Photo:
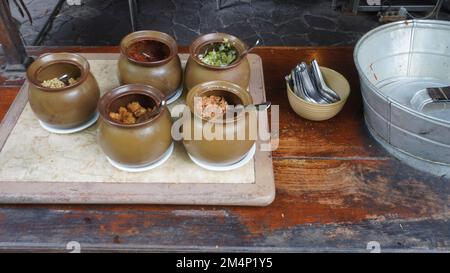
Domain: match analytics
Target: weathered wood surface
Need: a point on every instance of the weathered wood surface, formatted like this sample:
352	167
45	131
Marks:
337	190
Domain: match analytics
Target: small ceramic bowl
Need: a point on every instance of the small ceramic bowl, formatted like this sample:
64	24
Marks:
319	112
69	106
138	144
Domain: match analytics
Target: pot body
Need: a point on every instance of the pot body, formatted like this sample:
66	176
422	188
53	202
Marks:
65	107
165	75
219	149
139	145
219	152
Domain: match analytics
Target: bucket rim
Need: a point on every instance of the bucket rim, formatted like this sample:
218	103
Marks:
413	23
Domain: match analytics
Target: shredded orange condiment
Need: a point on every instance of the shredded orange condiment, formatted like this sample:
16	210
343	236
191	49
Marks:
211	107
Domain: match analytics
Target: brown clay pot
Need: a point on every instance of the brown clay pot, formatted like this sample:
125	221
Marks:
197	71
163	71
139	143
219	151
66	107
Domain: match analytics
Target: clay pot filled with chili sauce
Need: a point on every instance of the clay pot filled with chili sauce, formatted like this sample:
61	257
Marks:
218	151
217	56
150	58
62	91
134	125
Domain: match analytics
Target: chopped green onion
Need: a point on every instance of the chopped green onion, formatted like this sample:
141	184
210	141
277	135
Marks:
221	55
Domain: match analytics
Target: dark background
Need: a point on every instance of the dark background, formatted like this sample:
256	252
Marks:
276	22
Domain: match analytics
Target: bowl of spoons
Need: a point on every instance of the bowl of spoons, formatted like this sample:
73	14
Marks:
316	93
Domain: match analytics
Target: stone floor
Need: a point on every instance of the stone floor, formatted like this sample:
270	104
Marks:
276	22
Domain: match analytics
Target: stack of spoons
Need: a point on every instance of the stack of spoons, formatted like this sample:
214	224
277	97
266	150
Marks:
308	84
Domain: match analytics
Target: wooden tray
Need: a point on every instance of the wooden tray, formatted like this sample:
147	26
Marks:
39	167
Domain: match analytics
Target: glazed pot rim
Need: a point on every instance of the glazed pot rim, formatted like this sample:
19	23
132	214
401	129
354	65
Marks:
82	65
149	35
201	88
131	89
216	37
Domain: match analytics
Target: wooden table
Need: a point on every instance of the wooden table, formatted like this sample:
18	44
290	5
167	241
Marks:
337	190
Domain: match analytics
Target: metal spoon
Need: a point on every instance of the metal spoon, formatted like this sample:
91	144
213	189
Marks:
308	85
251	48
298	85
147	55
322	86
237	109
295	87
245	52
293	81
327	93
65	79
318	89
262	106
149	114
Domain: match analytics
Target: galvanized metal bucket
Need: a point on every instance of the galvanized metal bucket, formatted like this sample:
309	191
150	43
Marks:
396	62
